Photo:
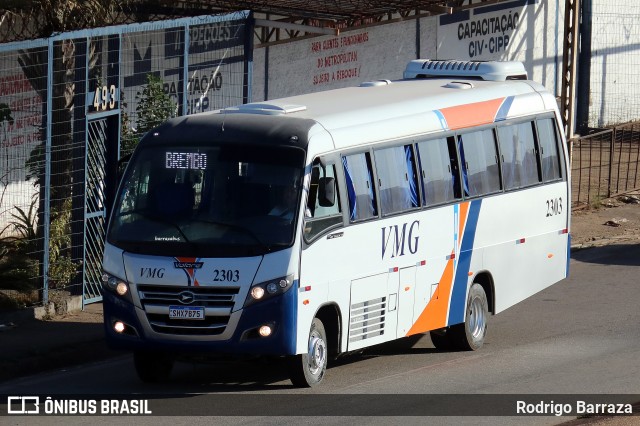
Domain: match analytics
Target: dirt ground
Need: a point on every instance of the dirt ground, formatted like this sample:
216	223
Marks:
615	220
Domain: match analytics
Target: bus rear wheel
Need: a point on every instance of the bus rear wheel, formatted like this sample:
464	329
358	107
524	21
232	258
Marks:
469	336
441	339
152	367
307	370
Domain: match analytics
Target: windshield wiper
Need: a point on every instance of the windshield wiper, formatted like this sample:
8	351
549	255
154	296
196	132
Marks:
159	220
243	230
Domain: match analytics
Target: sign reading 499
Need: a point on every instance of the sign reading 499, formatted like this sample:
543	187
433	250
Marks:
105	98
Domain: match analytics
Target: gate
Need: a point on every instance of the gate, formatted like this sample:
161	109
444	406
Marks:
95	208
70	107
605	164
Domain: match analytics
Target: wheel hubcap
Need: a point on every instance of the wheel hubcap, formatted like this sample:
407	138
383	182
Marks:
477	319
317	354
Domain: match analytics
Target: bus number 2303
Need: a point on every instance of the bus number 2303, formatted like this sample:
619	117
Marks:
554	207
229	275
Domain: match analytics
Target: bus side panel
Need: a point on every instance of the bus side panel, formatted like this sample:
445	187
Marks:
402	259
373	310
525	246
330	265
448	298
468	259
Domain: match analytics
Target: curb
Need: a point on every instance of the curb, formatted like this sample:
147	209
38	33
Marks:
73	304
605	242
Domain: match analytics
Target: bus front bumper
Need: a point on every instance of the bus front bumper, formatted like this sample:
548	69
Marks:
127	327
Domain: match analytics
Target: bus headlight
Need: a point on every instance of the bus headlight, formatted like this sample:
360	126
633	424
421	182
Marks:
257	293
116	285
268	289
121	289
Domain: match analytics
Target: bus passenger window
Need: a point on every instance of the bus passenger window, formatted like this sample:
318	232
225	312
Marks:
548	141
438	169
480	173
359	182
518	154
396	179
318	217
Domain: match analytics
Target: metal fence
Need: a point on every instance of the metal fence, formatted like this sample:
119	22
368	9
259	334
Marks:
70	106
608	93
605	164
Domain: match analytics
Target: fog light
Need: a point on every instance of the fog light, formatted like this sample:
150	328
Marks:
121	288
112	282
257	293
265	331
118	326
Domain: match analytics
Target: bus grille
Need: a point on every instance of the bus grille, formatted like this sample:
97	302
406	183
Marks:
367	319
217	302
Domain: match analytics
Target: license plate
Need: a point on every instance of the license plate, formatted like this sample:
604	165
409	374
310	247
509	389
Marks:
186	312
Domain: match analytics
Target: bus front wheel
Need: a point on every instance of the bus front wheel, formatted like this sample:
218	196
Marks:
469	336
308	369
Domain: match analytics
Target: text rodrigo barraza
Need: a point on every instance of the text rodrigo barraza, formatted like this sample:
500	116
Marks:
565	409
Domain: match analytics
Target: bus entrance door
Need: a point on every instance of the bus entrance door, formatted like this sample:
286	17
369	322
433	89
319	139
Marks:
406	296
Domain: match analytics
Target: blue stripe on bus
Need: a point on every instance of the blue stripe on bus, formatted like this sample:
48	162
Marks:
504	108
459	292
443	121
290	318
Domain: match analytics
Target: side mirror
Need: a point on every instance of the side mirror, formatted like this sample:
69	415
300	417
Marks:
326	191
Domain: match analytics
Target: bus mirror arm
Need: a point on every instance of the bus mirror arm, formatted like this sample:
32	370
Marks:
326	191
320	161
122	165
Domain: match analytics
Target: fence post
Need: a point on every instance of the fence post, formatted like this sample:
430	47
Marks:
78	165
47	177
611	157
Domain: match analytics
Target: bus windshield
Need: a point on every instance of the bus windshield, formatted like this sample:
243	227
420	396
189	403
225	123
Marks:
208	201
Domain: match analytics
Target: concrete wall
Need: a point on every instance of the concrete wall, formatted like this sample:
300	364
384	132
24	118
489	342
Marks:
613	96
522	30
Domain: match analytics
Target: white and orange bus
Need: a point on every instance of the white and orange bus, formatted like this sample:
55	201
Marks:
314	225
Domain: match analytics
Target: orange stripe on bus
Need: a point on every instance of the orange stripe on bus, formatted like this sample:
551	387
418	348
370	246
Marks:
434	315
464	210
474	114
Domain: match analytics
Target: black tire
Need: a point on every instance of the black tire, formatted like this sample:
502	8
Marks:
469	336
152	367
307	370
441	339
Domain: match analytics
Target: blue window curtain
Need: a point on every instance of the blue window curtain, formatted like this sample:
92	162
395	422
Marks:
362	203
411	176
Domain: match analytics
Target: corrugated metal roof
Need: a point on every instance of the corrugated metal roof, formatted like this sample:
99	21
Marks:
25	19
339	11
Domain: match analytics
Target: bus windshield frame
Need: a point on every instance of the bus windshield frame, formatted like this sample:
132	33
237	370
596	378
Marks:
208	200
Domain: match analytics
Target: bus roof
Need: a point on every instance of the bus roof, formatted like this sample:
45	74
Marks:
375	111
420	105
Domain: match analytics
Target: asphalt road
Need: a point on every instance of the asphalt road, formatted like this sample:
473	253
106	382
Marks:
580	336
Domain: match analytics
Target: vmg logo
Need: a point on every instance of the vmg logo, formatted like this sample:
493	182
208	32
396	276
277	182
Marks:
396	239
